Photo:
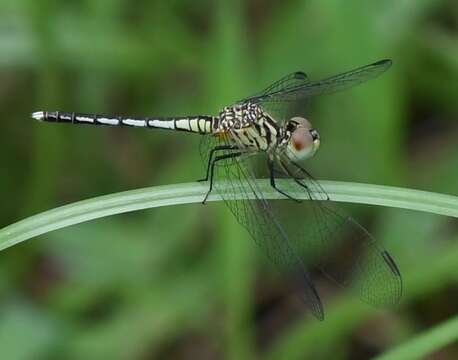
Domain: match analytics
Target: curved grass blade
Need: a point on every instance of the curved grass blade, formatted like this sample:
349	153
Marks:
188	193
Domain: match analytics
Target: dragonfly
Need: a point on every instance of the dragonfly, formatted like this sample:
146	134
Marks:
269	133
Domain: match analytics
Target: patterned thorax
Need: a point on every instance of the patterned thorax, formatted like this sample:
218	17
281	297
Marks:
238	116
248	126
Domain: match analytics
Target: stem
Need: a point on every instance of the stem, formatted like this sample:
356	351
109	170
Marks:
194	192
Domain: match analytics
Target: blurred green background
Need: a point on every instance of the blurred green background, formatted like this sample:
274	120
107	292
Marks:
187	282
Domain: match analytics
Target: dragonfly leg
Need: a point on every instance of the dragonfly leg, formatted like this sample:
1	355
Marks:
212	170
311	177
210	157
270	165
299	180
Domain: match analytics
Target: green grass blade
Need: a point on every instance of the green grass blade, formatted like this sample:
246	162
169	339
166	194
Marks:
422	345
194	192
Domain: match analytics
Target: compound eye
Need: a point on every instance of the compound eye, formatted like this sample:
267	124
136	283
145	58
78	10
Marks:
302	122
301	139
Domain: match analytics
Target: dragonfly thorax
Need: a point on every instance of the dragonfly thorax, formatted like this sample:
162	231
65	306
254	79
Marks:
238	116
248	127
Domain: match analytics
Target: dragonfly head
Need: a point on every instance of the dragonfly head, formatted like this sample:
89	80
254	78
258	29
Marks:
303	140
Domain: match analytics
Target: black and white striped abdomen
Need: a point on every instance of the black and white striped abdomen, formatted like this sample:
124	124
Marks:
198	124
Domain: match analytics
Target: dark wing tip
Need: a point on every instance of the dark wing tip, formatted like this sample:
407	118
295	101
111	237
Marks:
300	75
396	273
310	297
391	264
385	62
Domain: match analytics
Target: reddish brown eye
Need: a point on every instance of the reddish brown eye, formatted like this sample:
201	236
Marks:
298	145
301	139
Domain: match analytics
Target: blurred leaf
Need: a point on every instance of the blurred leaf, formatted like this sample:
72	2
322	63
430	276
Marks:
148	320
25	332
424	344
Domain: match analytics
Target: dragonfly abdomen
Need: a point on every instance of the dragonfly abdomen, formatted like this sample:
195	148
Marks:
198	124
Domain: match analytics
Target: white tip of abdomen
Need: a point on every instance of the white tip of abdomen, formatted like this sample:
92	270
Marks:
38	115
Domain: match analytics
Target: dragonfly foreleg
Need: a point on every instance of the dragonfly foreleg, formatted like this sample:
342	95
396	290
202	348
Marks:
299	182
212	169
210	157
270	165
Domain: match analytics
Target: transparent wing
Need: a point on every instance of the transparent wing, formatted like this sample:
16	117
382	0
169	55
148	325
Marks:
312	234
329	85
276	109
284	102
288	82
255	214
340	247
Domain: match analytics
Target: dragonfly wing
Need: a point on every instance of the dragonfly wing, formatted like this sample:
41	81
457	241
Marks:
341	248
286	83
285	102
330	85
254	213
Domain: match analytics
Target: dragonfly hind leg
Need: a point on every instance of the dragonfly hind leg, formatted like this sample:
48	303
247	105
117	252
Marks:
211	168
210	158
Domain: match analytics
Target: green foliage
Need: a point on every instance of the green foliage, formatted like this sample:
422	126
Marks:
186	281
423	344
